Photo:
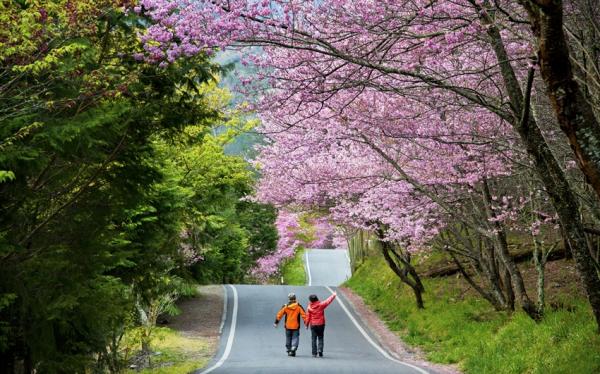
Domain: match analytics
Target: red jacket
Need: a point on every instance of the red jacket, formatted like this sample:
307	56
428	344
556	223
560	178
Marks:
315	314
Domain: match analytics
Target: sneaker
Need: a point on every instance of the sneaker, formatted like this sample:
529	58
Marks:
293	353
289	353
320	354
314	355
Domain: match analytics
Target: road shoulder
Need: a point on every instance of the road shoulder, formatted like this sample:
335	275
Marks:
200	319
390	341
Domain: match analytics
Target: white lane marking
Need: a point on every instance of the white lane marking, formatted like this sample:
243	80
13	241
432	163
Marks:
370	340
231	334
224	316
308	268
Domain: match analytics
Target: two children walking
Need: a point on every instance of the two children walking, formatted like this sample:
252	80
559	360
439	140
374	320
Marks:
313	318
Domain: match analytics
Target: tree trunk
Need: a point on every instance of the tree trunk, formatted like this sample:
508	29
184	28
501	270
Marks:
417	287
494	298
540	267
573	112
418	297
402	271
510	295
501	288
501	245
576	119
483	262
548	170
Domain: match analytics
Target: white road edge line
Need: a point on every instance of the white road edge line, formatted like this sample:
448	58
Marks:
308	268
370	340
231	334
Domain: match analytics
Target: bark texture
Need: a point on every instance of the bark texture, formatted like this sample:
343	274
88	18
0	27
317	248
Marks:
573	112
577	120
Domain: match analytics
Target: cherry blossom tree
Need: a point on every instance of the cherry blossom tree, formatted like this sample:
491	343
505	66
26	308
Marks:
397	50
287	228
472	57
398	178
295	230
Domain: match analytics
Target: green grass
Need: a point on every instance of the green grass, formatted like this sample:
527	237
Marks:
465	330
293	271
178	354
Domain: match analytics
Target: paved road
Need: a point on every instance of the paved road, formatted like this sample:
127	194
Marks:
326	267
250	343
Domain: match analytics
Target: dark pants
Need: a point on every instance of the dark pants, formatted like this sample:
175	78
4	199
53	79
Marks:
317	334
292	337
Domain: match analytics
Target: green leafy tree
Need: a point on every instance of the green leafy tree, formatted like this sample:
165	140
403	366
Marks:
258	220
89	221
220	225
114	186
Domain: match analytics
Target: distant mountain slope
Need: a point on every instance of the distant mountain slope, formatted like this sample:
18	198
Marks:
244	144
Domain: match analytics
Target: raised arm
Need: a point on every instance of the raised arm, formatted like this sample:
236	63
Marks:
328	300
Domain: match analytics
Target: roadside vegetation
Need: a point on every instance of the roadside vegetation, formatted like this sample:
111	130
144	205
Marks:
296	231
294	271
458	327
173	353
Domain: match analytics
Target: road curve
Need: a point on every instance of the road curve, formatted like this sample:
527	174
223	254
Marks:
250	344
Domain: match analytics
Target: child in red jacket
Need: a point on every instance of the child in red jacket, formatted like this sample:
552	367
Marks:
315	318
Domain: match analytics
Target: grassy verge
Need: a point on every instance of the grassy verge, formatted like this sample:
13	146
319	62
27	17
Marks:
457	327
293	271
176	354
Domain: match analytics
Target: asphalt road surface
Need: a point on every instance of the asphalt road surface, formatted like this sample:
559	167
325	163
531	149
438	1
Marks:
250	344
327	267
